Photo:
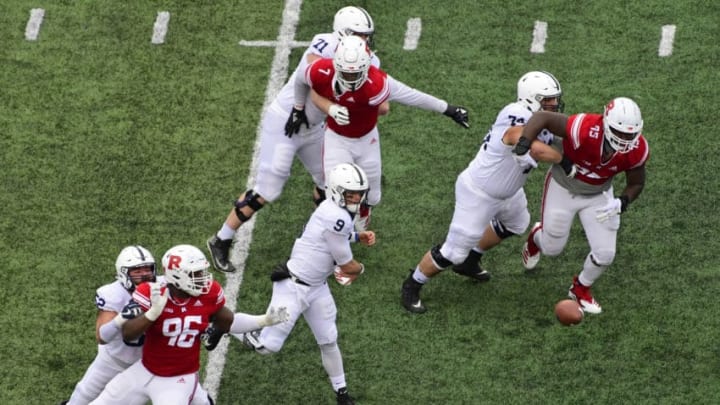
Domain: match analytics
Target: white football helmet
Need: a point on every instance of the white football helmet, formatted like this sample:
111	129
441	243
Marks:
186	268
534	87
352	62
623	123
130	258
346	177
353	20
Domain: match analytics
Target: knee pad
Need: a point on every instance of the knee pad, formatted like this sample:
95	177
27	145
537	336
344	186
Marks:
440	261
250	200
500	229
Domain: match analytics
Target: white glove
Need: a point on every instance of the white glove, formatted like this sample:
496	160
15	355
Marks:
345	279
340	114
157	301
273	316
612	207
525	161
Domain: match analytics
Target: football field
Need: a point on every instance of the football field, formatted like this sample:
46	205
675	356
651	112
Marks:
136	122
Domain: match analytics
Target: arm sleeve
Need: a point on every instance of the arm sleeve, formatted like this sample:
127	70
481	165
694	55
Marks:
406	95
245	323
302	83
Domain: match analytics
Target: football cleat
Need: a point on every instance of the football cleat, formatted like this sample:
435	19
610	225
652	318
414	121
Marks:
220	254
531	251
411	295
343	397
251	339
583	296
471	267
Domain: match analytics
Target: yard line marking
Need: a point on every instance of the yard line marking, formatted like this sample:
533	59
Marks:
273	44
667	37
160	28
241	247
32	29
539	37
412	35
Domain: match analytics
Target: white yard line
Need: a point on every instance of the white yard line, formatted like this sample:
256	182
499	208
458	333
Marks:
241	247
667	37
160	28
412	34
273	44
32	29
539	37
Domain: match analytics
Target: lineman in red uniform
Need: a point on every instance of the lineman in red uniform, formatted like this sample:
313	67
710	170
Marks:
174	319
353	93
601	146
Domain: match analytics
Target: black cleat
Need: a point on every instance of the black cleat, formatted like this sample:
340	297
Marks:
471	267
343	397
411	295
220	254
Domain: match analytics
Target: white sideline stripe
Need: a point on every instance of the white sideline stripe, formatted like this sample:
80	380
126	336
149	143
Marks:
241	247
273	44
32	29
539	37
412	35
160	27
667	37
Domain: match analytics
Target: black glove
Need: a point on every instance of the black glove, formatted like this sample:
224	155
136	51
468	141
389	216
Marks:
211	337
458	114
522	146
568	166
132	310
295	121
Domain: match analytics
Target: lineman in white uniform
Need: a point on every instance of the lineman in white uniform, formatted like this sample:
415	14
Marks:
301	285
134	266
277	151
490	203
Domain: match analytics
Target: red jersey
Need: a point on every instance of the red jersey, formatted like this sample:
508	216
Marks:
362	104
584	146
172	343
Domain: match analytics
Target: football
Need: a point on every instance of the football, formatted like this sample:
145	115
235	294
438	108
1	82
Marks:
568	312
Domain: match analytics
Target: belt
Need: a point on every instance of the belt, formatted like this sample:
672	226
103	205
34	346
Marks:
297	280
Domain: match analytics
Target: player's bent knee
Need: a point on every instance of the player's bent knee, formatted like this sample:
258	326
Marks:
502	231
603	258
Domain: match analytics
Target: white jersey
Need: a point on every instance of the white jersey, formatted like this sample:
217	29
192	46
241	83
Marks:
494	170
323	244
322	45
114	297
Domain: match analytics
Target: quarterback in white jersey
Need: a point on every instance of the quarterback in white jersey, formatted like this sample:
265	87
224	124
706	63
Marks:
134	266
277	151
301	284
490	203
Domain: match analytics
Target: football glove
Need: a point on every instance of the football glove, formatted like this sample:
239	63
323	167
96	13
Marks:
345	279
275	315
211	338
613	207
294	122
458	114
340	114
131	310
568	167
157	301
522	147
